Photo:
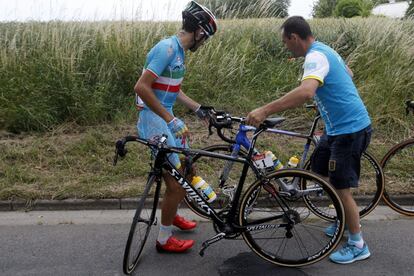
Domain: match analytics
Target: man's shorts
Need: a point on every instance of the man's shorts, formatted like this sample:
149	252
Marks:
339	157
150	125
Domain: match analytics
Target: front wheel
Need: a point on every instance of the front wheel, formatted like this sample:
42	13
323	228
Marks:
143	219
398	167
280	228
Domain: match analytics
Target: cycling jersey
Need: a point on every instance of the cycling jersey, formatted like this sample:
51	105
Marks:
337	97
166	62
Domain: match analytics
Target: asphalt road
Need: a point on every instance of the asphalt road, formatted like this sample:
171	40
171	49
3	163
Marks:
92	243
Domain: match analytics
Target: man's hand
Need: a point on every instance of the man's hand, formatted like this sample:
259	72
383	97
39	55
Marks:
256	117
178	128
202	112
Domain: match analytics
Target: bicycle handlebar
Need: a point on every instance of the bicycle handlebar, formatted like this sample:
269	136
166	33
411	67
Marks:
121	151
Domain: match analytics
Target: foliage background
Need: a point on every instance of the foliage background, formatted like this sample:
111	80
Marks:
53	73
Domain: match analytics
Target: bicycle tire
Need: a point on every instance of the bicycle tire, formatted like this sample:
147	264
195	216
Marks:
210	170
369	191
307	243
398	167
141	225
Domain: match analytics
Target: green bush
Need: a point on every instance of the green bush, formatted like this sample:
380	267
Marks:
348	8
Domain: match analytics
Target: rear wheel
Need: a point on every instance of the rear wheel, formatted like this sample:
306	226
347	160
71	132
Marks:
368	193
143	219
280	228
398	167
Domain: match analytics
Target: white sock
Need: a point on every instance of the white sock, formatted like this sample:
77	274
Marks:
164	234
356	239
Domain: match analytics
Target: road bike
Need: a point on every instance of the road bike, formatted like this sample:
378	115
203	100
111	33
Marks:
277	225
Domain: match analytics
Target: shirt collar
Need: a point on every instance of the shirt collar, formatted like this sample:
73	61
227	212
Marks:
178	41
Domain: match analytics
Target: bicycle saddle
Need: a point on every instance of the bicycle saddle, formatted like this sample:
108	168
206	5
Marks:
271	122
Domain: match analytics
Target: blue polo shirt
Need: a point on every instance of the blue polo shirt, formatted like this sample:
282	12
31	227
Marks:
337	97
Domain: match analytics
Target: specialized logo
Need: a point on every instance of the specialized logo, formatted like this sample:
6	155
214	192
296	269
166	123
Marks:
190	191
327	247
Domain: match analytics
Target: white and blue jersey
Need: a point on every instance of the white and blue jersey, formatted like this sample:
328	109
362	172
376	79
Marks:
337	97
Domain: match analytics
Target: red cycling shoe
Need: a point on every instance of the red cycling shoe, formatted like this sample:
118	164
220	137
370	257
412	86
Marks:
175	245
183	224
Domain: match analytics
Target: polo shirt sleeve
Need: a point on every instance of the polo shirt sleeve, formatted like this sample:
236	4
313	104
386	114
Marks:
316	67
159	58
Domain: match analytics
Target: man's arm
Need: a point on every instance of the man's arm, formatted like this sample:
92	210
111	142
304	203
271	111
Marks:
350	71
143	88
187	101
294	98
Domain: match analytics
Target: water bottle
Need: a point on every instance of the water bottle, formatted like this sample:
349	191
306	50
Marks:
277	164
205	189
293	162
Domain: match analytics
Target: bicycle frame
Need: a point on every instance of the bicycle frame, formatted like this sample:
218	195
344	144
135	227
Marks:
309	137
161	161
241	140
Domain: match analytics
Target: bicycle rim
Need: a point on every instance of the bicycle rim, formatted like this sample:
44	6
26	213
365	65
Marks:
267	214
367	195
398	167
143	219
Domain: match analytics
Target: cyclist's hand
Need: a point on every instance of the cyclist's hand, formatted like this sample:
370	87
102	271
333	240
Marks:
178	128
256	117
202	112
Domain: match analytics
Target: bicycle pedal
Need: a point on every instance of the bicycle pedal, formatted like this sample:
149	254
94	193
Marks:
155	221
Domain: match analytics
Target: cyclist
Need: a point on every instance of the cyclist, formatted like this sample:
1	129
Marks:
159	88
328	80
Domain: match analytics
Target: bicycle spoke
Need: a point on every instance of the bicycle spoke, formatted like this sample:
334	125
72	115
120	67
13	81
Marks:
300	237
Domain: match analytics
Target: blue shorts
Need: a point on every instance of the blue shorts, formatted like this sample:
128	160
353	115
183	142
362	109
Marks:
339	157
150	125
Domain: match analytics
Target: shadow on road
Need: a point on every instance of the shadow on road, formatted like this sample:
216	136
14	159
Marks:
248	263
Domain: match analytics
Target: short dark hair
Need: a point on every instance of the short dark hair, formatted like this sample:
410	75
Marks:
296	25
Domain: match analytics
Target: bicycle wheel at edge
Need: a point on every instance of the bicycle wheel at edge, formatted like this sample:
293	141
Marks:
266	222
398	167
143	219
210	170
369	191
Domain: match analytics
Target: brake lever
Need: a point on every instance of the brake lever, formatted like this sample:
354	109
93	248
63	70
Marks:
210	131
115	158
407	107
120	150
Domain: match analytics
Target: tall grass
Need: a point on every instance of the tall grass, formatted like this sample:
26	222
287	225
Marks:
55	72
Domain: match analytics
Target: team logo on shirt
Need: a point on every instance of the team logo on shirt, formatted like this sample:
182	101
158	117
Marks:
310	65
170	51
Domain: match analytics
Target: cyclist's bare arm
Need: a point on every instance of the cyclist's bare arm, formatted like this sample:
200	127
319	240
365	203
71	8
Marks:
294	98
143	88
187	101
